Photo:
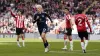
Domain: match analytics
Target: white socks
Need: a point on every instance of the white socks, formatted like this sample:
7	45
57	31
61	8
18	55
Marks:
65	43
23	43
18	43
86	43
71	44
83	45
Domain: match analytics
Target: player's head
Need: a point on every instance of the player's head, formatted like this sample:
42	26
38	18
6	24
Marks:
20	12
66	10
39	8
79	11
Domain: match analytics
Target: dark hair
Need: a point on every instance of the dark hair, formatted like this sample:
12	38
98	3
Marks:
19	10
80	10
67	9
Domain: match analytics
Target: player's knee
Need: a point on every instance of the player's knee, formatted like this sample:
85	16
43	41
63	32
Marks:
65	37
43	37
18	36
82	40
70	39
22	38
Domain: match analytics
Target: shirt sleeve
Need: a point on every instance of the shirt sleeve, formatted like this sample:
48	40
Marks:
49	17
13	15
69	17
88	23
34	19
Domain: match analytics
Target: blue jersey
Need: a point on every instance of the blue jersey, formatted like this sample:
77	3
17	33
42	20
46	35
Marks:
40	18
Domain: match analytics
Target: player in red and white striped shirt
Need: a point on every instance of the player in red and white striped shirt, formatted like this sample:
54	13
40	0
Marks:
68	30
19	18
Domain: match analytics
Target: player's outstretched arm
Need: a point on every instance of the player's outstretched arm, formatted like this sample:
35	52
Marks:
11	12
88	24
49	18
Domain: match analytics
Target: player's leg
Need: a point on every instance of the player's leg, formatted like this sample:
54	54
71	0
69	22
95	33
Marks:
18	43
65	42
71	43
46	45
43	36
23	38
83	45
70	38
82	41
18	36
86	39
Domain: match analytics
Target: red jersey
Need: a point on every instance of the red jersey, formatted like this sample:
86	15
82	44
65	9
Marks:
80	21
19	20
68	18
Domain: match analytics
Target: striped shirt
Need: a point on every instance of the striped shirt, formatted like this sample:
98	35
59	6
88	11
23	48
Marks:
68	18
19	20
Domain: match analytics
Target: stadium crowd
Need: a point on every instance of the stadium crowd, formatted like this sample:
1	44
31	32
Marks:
53	7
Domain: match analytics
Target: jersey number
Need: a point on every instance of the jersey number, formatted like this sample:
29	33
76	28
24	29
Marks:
79	22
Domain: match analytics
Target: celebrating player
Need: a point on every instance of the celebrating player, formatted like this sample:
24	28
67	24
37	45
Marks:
68	30
40	18
19	18
80	21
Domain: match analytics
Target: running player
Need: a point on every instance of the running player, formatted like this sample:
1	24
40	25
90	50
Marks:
68	30
40	18
80	21
19	18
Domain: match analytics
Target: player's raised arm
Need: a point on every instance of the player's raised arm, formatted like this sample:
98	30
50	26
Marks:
9	9
88	24
12	14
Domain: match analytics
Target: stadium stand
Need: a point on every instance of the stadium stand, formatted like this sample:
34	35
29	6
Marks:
52	7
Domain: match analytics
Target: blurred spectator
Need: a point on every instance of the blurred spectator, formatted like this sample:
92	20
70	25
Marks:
53	7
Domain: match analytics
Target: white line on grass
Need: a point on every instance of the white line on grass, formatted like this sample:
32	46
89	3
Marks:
88	50
77	52
6	43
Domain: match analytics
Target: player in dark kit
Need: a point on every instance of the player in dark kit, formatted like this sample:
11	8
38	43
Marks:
68	30
40	18
80	21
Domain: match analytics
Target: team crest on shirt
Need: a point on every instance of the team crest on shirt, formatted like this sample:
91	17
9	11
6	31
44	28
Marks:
42	15
37	17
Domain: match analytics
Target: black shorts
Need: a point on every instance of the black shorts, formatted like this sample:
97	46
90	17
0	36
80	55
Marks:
83	34
43	30
19	31
68	31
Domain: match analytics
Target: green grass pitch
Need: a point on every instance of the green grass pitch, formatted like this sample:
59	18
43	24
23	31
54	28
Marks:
34	47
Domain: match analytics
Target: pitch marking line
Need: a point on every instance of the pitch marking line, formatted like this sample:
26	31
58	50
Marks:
6	43
76	52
